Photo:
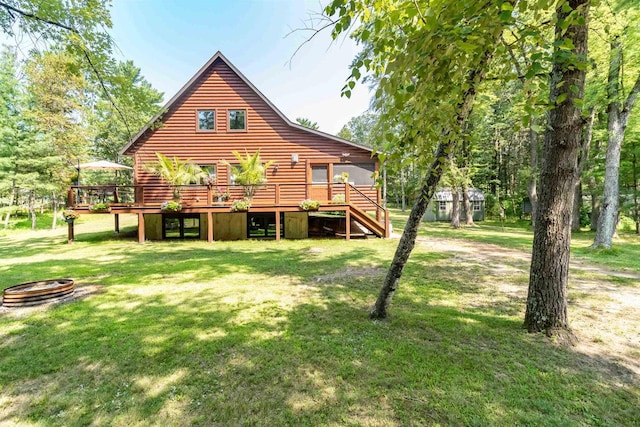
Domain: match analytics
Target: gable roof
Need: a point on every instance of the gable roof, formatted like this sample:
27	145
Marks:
194	79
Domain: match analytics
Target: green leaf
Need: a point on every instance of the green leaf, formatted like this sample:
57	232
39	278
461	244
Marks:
561	98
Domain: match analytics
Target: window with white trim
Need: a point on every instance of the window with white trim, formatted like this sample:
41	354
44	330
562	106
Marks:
442	206
476	205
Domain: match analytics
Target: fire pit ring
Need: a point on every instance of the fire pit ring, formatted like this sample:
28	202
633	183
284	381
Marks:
35	293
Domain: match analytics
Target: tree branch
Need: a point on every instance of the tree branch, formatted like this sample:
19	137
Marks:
10	9
424	21
631	99
315	31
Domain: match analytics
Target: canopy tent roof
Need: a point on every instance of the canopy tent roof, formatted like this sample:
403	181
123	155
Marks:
103	165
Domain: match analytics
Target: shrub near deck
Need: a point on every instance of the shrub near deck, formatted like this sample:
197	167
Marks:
276	333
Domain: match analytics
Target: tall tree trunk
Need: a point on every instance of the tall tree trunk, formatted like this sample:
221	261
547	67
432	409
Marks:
12	199
402	190
617	119
54	220
32	210
582	161
468	213
455	212
466	159
532	191
577	206
595	204
547	296
443	155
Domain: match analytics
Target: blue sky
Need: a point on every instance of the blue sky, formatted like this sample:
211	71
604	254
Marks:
170	40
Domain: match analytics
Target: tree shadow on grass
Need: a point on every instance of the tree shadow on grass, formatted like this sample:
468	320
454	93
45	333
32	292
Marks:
260	363
254	333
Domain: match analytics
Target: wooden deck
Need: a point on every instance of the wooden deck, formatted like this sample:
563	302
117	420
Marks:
198	199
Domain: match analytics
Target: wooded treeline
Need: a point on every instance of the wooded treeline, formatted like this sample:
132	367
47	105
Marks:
501	148
63	100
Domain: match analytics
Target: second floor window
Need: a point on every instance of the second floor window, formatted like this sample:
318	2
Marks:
237	119
206	120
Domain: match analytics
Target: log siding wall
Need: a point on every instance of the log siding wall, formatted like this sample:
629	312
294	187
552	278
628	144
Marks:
219	88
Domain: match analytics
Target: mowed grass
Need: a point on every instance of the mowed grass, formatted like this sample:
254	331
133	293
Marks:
518	235
266	333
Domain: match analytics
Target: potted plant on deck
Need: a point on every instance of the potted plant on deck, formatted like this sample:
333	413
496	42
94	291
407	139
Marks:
175	172
309	205
240	205
100	208
172	206
250	173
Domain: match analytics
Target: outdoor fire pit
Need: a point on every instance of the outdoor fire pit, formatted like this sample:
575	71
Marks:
35	293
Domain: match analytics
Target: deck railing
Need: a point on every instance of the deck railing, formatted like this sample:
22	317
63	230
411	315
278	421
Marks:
202	195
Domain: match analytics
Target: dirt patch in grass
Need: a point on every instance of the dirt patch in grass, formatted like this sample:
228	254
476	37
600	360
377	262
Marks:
604	305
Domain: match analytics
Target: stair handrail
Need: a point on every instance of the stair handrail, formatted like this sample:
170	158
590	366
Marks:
367	197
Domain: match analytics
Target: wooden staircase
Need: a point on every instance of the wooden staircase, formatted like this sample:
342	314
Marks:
367	221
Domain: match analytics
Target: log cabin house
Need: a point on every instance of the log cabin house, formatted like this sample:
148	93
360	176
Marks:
219	111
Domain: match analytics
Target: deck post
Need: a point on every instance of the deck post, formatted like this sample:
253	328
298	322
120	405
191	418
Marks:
347	226
347	193
278	225
277	194
116	218
209	195
70	232
140	227
209	226
378	215
387	231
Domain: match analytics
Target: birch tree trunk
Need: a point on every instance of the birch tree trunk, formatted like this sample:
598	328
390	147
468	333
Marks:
12	198
54	220
617	119
32	210
547	296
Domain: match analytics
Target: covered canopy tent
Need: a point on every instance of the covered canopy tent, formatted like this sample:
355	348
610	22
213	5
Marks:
101	165
100	192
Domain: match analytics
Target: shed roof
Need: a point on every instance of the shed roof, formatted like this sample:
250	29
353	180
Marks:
218	55
446	195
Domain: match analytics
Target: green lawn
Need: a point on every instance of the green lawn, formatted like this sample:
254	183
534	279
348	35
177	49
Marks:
519	235
266	333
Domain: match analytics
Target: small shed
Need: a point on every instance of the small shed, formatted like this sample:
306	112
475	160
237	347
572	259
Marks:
441	206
